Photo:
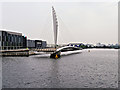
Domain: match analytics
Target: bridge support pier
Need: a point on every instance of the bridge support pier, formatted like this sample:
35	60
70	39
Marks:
55	55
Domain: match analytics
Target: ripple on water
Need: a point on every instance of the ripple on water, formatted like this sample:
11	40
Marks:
95	69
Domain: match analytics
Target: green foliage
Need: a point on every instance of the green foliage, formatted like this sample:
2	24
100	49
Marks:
82	46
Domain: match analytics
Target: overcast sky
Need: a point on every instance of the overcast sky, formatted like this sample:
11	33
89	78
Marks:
87	22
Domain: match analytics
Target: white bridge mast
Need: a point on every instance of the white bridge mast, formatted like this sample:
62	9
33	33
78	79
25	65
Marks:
55	26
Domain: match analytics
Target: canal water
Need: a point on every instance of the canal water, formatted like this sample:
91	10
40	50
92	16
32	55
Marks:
95	69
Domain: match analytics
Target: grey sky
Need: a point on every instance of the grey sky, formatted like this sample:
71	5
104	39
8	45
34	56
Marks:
87	22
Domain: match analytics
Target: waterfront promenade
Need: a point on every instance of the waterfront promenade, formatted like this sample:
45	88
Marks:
24	52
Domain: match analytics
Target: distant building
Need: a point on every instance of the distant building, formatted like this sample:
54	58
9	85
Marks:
30	43
12	40
89	45
36	44
116	46
100	45
44	44
76	44
50	45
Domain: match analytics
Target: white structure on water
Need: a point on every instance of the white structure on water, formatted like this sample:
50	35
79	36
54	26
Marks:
55	26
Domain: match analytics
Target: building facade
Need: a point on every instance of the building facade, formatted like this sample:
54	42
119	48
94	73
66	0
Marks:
12	40
38	44
76	44
30	43
44	44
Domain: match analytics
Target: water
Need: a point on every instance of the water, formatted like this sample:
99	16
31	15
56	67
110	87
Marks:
95	69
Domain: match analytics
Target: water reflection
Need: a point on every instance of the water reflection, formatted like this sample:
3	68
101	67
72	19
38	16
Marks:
55	81
0	72
97	69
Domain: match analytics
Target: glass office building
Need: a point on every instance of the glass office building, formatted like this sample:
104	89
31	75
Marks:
12	40
38	44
